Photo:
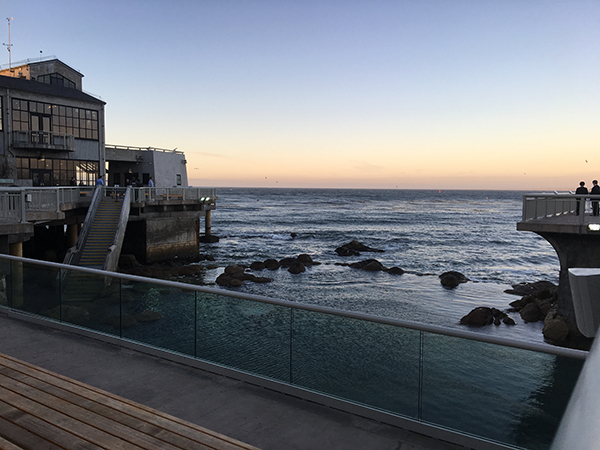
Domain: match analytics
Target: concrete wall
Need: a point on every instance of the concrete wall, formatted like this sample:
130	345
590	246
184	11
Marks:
156	239
167	166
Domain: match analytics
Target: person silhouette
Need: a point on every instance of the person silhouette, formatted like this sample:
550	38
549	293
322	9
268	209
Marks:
595	191
581	190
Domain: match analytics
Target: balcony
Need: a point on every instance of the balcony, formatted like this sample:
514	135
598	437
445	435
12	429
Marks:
43	140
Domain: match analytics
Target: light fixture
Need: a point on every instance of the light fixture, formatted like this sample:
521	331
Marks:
594	226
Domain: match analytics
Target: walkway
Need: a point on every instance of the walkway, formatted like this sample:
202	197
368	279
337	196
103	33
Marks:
251	414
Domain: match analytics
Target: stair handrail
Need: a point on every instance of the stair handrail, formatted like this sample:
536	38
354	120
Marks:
74	253
114	251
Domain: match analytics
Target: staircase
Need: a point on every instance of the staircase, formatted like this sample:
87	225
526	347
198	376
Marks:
101	235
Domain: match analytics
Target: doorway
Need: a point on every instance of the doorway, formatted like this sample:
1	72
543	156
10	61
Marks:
41	177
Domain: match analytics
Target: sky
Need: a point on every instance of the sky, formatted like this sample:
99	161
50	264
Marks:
427	94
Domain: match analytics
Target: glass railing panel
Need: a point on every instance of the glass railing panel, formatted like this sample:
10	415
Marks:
158	315
5	282
504	394
244	335
364	362
91	300
35	289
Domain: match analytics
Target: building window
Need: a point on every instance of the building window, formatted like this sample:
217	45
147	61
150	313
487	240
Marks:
59	171
178	179
38	116
57	80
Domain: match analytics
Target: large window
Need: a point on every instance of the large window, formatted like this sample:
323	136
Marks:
56	79
29	115
59	171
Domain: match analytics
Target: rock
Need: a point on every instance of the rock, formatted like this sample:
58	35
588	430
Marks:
297	268
148	316
529	288
452	279
556	330
293	235
223	279
478	317
190	270
395	270
354	248
272	264
234	282
257	265
305	259
128	262
287	262
370	265
233	269
508	321
531	313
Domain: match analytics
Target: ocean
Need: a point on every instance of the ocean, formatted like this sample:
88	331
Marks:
424	232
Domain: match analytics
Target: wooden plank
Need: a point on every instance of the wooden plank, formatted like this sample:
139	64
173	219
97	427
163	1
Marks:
7	445
171	424
105	411
61	425
84	416
29	432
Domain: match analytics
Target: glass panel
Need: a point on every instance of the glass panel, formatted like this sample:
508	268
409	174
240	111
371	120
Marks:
36	289
245	335
365	362
501	393
5	282
158	315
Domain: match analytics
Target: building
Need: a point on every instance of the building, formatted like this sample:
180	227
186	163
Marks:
51	132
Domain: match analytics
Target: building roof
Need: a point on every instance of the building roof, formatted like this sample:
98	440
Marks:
46	89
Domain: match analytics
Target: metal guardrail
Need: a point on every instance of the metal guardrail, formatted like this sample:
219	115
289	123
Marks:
129	147
15	202
544	206
431	378
43	140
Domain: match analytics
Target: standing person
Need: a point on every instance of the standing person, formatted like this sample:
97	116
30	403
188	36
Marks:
581	190
151	183
73	181
595	191
100	181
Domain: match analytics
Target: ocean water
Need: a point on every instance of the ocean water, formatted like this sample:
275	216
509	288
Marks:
424	232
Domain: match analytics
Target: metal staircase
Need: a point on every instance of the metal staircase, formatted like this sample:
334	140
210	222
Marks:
101	235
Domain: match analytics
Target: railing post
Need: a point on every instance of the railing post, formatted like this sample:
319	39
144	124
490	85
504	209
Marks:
23	214
57	200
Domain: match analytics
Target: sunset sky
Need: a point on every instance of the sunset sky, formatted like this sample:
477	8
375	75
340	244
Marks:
410	94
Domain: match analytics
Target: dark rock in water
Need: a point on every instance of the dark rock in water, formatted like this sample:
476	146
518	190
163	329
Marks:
370	265
556	330
257	265
293	235
395	270
529	288
452	279
211	239
272	264
478	317
354	248
508	321
305	259
190	270
297	268
233	269
287	262
128	262
531	313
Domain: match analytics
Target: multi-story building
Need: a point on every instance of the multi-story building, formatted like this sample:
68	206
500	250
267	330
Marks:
51	132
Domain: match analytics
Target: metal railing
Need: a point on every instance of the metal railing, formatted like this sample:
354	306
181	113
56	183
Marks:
16	202
43	140
544	206
482	391
154	149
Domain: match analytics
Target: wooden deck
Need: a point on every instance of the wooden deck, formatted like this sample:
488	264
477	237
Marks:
41	410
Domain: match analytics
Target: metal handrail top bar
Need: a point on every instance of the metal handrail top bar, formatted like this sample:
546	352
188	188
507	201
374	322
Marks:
130	147
543	348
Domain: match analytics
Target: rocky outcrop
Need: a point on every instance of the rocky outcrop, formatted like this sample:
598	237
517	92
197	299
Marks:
354	248
235	275
483	315
451	279
210	239
372	265
293	265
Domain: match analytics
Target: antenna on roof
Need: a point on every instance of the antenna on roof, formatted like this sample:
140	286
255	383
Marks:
9	45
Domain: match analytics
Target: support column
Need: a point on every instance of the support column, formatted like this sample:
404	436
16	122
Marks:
207	223
72	235
573	250
16	249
